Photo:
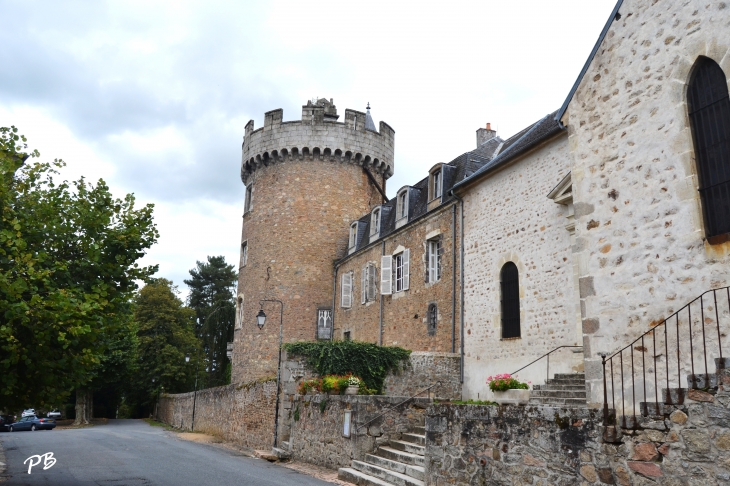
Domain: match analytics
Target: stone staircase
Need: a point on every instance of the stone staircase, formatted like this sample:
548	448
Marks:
564	390
400	463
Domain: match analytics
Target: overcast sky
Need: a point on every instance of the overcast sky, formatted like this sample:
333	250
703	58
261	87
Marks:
153	96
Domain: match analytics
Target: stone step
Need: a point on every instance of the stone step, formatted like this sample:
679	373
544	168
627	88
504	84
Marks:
401	456
565	402
565	382
414	438
408	447
418	472
558	394
570	376
387	475
418	430
702	380
282	454
560	387
360	478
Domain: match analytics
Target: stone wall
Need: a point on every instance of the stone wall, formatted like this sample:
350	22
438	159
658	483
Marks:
509	218
317	430
424	369
404	313
640	242
242	413
475	445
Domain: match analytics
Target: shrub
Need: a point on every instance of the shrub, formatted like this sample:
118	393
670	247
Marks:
505	382
370	362
307	385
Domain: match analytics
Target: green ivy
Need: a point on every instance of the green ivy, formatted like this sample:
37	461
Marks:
370	362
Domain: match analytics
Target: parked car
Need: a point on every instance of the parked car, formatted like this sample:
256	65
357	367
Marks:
28	412
55	414
5	421
33	423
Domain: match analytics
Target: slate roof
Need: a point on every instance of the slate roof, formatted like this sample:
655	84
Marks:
518	144
458	169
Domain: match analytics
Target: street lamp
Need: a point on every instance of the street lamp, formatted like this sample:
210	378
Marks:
195	394
260	321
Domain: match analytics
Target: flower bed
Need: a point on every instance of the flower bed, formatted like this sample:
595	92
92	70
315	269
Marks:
334	384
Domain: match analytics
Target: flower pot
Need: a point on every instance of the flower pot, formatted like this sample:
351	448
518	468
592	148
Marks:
352	390
512	397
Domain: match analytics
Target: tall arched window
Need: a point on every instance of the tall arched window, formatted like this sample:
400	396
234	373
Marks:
510	286
709	114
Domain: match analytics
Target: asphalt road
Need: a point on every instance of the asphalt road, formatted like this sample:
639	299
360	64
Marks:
132	453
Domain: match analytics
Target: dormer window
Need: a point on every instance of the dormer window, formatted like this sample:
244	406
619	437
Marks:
436	184
401	210
353	237
375	223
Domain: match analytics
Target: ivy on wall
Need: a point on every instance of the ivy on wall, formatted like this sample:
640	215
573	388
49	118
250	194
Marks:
370	362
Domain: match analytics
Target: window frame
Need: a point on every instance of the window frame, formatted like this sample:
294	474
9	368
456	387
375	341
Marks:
352	240
322	313
401	271
432	318
434	250
437	188
346	304
401	205
248	199
509	288
375	222
244	253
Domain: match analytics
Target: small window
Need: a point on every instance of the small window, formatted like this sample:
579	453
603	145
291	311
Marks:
248	200
401	275
244	253
240	312
368	285
324	324
375	223
346	299
436	185
353	237
402	205
510	287
434	251
347	336
432	317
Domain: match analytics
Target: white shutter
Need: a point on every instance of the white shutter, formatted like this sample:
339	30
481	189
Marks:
364	285
347	290
406	269
372	287
386	275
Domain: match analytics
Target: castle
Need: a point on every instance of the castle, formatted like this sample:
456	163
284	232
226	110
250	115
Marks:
585	229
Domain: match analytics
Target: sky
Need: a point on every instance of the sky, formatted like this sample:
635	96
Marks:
153	96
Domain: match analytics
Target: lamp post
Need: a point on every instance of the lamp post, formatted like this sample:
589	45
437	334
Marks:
195	393
260	321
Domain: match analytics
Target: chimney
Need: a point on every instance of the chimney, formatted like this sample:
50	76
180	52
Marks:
484	134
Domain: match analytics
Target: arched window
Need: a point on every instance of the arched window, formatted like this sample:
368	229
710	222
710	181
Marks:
510	286
709	114
433	315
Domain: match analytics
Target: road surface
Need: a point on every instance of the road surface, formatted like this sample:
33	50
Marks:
132	453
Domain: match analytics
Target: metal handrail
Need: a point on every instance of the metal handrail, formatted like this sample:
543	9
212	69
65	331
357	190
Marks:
548	359
396	405
652	336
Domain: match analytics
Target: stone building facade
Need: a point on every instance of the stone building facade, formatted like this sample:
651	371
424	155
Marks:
305	181
642	246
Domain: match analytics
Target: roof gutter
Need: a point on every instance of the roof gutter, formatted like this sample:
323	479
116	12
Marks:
614	16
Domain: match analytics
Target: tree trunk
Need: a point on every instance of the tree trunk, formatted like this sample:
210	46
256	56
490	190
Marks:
84	407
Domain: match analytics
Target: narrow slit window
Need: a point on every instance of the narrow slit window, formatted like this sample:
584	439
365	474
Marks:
510	289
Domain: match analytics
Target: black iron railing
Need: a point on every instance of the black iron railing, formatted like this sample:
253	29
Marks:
674	344
546	355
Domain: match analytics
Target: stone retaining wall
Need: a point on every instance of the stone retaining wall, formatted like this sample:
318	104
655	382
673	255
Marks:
478	445
242	413
424	369
317	429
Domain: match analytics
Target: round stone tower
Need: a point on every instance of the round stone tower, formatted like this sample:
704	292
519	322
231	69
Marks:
306	181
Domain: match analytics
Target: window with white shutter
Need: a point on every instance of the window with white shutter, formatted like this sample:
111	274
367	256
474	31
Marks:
433	272
386	275
406	269
372	285
364	285
346	300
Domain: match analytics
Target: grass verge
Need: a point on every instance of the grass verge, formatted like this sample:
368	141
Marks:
155	423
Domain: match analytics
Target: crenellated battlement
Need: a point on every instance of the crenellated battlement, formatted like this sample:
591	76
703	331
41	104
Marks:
318	135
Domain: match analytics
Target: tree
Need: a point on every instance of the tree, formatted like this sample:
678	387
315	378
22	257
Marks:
211	296
165	332
68	266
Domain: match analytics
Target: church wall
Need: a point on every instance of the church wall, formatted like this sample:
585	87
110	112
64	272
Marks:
405	313
640	242
508	217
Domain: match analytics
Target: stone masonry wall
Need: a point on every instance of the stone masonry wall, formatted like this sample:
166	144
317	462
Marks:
242	413
317	429
296	228
423	370
688	445
640	241
404	313
508	217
